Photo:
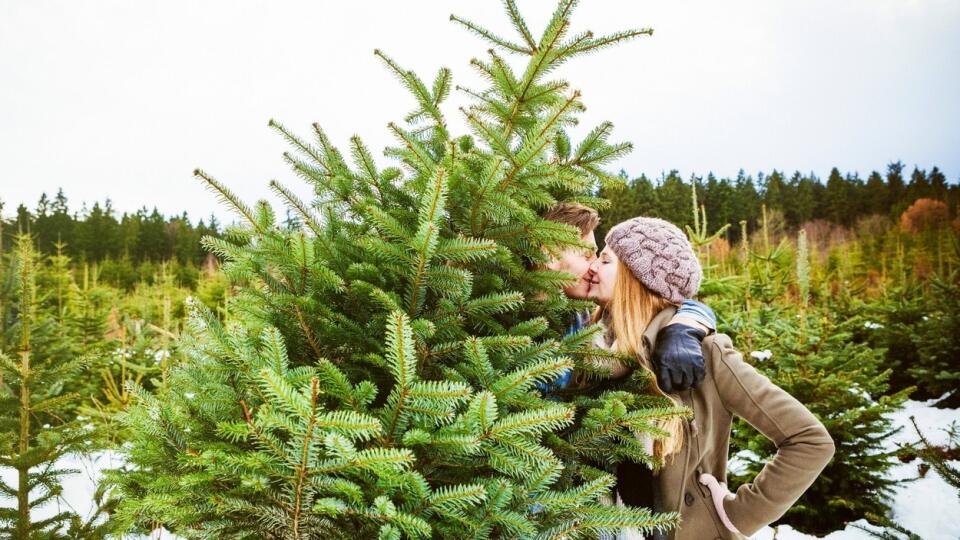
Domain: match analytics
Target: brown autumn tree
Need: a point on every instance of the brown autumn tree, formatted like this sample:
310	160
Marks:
925	214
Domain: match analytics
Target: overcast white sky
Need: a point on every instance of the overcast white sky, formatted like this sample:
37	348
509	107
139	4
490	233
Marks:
124	99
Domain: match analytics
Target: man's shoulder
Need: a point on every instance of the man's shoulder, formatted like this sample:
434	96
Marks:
581	319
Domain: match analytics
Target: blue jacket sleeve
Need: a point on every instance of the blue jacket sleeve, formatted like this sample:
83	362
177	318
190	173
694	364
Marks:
580	321
699	311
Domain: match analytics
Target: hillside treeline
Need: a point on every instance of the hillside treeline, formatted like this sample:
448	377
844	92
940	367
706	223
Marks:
842	199
121	249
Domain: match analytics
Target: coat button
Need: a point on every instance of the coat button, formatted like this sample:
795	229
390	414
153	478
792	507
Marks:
688	499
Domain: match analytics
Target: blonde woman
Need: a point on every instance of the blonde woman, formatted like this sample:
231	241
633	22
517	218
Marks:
646	269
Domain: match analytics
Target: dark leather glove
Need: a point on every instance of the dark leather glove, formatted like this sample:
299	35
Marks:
678	357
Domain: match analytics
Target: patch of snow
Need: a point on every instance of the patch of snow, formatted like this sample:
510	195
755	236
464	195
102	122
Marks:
786	532
162	534
79	488
739	462
856	390
762	355
927	506
931	421
160	355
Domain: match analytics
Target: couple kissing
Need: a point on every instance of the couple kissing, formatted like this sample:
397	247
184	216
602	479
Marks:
644	283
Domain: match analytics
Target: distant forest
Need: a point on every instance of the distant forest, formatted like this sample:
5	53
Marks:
843	199
121	249
127	247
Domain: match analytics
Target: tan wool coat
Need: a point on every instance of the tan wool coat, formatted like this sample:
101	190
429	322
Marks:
734	388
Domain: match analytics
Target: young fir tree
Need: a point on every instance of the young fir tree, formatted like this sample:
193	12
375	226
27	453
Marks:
37	426
376	373
79	316
808	349
842	382
921	336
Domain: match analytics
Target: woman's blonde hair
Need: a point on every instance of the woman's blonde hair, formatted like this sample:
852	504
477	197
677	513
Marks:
631	308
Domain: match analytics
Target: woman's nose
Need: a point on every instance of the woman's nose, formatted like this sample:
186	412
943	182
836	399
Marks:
594	265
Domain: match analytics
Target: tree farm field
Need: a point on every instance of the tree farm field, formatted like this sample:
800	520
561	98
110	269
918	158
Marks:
373	352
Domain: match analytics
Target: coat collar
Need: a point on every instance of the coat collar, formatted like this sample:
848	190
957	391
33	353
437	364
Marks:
606	341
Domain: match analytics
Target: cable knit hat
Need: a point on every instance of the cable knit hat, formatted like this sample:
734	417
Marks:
659	255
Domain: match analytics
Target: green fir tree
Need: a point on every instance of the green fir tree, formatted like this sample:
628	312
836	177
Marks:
807	347
375	375
37	424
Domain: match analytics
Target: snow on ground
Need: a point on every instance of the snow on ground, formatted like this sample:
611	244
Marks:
78	488
928	506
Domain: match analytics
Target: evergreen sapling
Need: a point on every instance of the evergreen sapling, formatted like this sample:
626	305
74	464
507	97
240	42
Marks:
38	425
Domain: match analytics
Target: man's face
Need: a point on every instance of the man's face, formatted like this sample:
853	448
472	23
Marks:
577	262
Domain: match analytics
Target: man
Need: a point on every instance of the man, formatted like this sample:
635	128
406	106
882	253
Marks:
678	356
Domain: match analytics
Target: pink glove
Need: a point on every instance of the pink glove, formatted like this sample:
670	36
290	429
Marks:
719	493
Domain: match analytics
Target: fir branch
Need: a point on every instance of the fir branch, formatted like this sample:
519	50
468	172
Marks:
531	422
525	377
555	30
549	89
307	331
490	36
388	225
426	162
333	160
432	208
616	38
519	23
229	198
464	249
428	103
363	160
498	143
441	86
293	201
298	144
400	350
303	465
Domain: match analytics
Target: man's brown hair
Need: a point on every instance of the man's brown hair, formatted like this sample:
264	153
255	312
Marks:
582	217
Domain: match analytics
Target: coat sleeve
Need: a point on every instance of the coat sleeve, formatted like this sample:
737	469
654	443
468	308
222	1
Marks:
803	445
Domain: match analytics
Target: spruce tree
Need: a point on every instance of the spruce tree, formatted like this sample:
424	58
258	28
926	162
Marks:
375	375
803	338
844	384
921	337
37	426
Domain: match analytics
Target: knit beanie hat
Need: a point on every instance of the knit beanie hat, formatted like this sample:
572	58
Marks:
659	255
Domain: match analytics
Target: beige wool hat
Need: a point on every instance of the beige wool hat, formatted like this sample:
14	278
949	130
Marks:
659	255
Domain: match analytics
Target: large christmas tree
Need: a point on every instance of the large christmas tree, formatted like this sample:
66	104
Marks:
375	374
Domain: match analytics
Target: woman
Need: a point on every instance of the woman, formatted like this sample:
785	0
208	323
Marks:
645	270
